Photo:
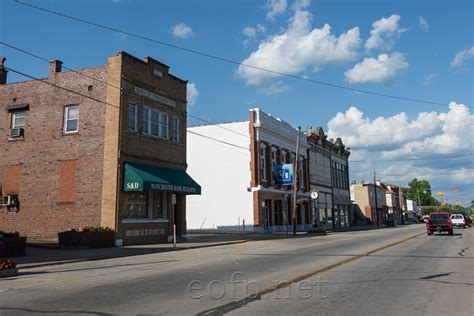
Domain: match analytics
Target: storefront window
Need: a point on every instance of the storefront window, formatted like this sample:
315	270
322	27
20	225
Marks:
135	205
146	205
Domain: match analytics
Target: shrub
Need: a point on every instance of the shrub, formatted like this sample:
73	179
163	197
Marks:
7	264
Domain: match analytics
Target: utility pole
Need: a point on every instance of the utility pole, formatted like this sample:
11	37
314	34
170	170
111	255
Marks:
400	201
295	181
375	195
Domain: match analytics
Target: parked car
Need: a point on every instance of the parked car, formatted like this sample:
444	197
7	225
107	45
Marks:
458	220
440	222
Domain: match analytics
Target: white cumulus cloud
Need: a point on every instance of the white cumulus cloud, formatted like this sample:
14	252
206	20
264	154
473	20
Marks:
383	33
298	47
274	89
425	139
181	30
381	69
424	25
252	32
275	7
461	57
192	93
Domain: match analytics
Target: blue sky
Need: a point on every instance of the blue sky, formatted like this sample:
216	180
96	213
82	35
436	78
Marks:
409	52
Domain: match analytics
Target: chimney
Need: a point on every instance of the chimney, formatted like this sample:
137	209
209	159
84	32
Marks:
3	71
54	67
309	130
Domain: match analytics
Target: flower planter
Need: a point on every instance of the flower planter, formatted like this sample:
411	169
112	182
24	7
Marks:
8	273
14	246
86	239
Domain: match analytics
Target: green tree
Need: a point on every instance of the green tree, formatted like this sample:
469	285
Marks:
420	191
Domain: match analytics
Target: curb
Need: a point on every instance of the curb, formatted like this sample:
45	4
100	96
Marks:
61	262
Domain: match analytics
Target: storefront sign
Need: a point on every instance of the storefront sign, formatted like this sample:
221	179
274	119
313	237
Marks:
155	97
283	174
172	188
144	232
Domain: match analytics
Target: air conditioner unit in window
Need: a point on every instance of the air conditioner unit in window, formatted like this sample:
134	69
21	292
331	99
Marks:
16	132
5	200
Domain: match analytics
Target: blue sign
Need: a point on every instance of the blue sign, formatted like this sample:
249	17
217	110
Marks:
283	174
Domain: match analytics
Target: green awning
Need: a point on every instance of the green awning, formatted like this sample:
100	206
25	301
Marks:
139	177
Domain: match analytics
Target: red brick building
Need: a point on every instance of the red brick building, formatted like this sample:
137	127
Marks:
102	146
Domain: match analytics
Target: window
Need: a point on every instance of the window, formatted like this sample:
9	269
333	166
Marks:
148	205
263	170
135	205
71	119
155	123
175	129
164	125
146	120
18	119
301	170
132	117
273	157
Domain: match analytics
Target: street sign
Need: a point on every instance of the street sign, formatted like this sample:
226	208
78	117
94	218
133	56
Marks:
314	195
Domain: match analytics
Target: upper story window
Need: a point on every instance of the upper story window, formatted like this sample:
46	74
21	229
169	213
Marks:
175	137
132	117
164	125
301	172
71	119
155	123
18	119
263	163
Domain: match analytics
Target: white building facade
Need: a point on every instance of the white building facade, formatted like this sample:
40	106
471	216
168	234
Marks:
234	163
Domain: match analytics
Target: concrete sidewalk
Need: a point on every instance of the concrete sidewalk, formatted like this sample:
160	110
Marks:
47	252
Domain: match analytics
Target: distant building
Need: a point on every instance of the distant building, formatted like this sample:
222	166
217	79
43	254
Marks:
238	179
110	153
343	212
320	176
329	175
371	200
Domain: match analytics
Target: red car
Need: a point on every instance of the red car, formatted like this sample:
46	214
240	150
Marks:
439	222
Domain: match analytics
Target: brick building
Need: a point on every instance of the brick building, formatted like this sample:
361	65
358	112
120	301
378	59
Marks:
371	200
239	182
99	146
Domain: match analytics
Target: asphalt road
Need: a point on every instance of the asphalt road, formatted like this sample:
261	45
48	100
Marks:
425	275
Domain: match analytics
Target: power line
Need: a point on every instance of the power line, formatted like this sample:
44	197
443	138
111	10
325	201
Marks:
414	159
59	87
100	101
217	140
420	175
224	142
29	53
108	84
218	125
225	60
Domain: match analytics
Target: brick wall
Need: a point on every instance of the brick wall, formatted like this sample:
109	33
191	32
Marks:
44	211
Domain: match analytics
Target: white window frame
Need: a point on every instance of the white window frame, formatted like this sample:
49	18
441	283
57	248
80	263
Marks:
135	113
273	160
146	120
67	108
301	171
175	136
263	162
163	126
16	115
